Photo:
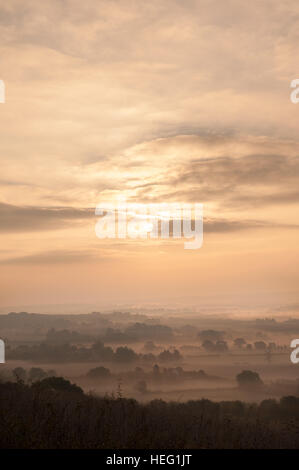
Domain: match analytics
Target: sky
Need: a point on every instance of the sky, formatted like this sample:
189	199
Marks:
155	102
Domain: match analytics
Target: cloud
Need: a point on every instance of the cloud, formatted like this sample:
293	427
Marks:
184	101
227	225
246	181
232	171
54	257
26	219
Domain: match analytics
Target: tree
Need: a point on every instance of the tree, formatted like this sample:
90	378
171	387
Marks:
36	373
99	373
291	404
212	335
125	354
102	352
20	374
58	384
221	346
208	345
260	345
249	379
97	347
167	355
239	342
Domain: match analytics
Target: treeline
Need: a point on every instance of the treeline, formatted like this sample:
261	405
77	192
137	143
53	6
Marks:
157	374
213	342
97	352
53	413
130	334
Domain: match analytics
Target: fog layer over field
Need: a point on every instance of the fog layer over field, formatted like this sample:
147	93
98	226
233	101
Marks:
149	355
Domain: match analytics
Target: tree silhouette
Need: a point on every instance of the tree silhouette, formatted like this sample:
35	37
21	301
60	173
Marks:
249	379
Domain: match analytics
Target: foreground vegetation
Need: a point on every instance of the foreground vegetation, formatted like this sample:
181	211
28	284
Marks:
53	413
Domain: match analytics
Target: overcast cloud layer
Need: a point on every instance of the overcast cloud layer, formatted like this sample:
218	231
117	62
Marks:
159	101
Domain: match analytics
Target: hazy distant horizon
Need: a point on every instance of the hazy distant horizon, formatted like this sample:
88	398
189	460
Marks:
203	309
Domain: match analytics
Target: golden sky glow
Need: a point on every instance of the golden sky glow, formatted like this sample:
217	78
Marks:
161	101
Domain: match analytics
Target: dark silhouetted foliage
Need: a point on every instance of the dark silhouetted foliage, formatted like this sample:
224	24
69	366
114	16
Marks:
99	373
248	378
56	414
58	384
